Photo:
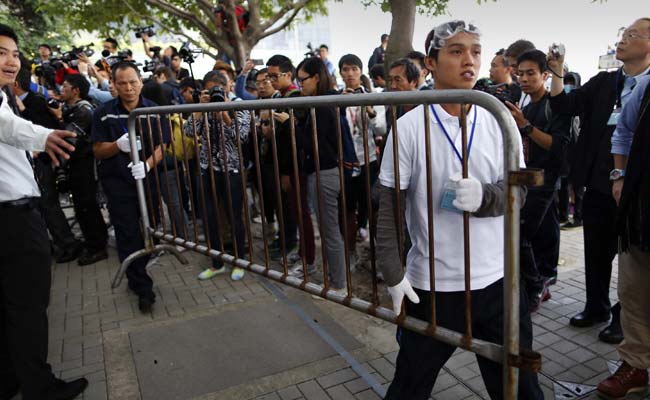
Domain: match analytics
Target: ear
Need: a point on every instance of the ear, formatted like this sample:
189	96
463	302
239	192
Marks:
430	64
545	75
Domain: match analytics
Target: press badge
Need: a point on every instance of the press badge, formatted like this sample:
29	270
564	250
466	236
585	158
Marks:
448	197
613	118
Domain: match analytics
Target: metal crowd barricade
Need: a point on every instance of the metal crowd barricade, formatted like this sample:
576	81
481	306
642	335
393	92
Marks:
509	354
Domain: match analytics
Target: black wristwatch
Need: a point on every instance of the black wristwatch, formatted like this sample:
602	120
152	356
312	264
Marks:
526	129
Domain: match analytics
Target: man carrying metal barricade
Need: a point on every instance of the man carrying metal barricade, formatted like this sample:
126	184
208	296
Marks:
459	184
117	173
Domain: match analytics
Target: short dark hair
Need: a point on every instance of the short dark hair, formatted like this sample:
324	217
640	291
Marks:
47	46
316	66
189	82
174	50
416	55
384	37
283	63
536	56
502	52
153	91
216	77
324	46
518	48
223	66
350	59
8	32
377	71
122	65
112	41
262	71
24	78
79	82
169	74
410	69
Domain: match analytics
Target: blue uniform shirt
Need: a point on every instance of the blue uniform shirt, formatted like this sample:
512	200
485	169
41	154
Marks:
110	121
624	133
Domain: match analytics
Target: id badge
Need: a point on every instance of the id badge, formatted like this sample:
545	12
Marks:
138	143
613	118
448	197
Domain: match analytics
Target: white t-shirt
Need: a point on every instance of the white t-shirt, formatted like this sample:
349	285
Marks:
486	163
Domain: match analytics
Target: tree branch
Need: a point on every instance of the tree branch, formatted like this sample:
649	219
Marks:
281	13
280	27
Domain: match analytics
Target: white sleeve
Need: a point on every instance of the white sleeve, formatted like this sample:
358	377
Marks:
18	132
378	124
406	132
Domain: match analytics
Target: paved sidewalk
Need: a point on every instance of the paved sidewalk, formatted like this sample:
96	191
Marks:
314	349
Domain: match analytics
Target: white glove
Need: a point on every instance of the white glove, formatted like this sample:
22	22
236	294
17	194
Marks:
139	170
123	143
469	193
398	292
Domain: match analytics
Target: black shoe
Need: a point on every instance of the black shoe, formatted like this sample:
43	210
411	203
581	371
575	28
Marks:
613	334
145	302
550	280
87	258
585	320
572	224
67	390
70	254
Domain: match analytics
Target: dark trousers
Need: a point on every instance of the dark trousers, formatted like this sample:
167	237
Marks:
360	194
269	191
125	217
83	187
546	245
56	221
309	249
24	296
564	200
421	358
533	215
601	245
212	220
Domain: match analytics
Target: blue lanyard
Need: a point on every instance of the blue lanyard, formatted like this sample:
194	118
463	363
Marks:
451	142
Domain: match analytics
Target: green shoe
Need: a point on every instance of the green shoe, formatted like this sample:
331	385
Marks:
237	274
211	273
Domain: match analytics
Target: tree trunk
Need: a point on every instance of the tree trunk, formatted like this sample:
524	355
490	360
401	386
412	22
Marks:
401	31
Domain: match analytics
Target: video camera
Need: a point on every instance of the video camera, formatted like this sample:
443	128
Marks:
147	30
119	57
151	66
502	91
311	52
187	53
71	57
217	95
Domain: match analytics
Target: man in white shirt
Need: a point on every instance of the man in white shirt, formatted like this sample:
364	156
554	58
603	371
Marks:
454	57
25	275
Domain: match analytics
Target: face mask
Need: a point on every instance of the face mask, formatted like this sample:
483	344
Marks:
568	88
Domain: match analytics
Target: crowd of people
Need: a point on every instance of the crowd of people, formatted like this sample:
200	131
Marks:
590	140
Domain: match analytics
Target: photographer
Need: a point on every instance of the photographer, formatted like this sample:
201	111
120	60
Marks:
545	137
220	130
351	68
180	73
153	52
501	74
109	49
76	114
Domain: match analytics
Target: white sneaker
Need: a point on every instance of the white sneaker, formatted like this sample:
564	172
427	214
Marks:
294	256
297	270
362	236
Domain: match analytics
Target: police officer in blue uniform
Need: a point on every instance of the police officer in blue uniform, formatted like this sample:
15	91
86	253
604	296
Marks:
118	173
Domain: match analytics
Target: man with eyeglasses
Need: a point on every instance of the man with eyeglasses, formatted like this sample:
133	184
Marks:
600	101
118	173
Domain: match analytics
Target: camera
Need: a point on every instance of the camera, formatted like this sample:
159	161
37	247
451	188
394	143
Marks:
151	66
503	92
147	30
196	96
71	57
62	161
217	95
557	50
187	53
53	103
311	52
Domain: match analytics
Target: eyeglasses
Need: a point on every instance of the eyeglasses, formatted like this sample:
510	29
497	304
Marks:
631	36
301	80
275	77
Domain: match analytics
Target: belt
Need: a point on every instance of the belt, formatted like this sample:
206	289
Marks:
24	203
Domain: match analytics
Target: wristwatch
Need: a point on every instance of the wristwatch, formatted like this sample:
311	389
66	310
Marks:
526	129
616	174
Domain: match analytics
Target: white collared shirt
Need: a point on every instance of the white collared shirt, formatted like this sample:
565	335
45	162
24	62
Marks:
18	135
486	163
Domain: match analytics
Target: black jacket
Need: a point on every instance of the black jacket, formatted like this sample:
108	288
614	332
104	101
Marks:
37	111
592	159
327	140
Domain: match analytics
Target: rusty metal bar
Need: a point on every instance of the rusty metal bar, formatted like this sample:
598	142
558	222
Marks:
190	184
319	194
296	188
468	283
430	208
339	132
147	181
244	181
278	188
260	190
176	173
398	201
371	211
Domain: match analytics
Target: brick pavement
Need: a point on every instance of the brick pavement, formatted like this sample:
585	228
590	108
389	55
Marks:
89	323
